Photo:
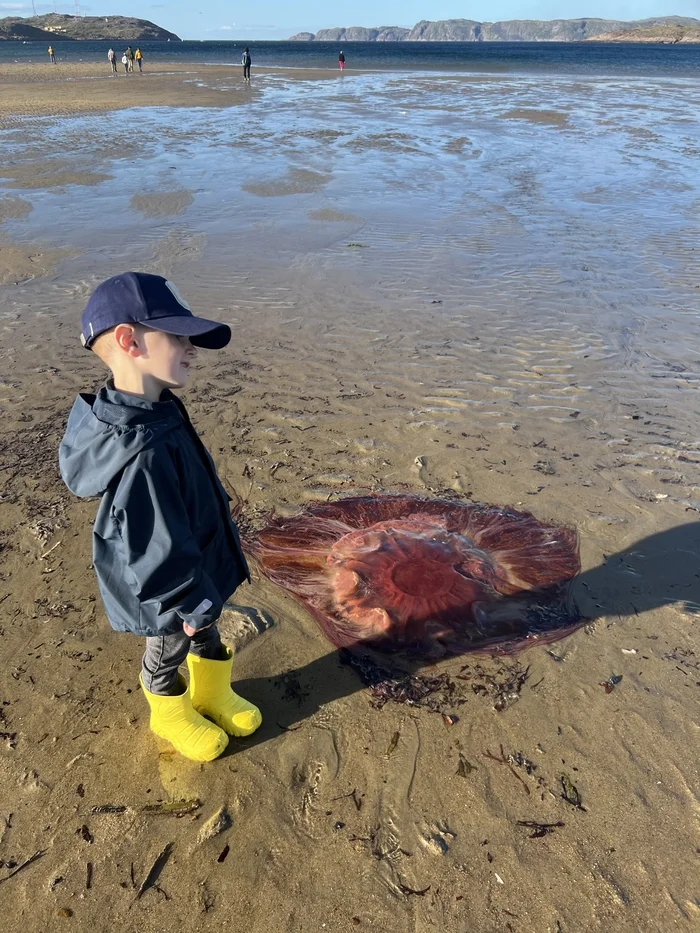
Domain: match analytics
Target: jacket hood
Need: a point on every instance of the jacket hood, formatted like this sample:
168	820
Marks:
106	431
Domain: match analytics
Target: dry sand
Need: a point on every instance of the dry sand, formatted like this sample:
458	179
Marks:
336	823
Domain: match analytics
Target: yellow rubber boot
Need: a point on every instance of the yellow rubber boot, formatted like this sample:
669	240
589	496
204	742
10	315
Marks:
210	689
176	720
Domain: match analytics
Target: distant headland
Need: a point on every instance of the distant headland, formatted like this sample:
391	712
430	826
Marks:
55	27
667	29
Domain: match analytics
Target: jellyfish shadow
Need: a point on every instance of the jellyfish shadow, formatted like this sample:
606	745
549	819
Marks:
660	570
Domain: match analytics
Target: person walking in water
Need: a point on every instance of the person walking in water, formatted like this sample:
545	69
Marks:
52	57
112	59
246	62
341	60
139	58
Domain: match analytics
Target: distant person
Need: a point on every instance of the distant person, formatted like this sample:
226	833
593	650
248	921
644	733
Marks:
246	62
130	57
52	57
112	59
139	58
341	60
125	63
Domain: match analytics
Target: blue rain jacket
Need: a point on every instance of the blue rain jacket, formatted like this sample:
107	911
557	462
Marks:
165	547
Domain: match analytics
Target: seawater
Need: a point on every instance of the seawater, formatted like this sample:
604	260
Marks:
524	246
592	58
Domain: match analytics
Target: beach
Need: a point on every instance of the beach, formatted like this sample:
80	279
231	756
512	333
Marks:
32	89
480	287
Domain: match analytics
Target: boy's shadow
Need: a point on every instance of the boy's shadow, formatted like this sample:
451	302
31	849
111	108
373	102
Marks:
660	570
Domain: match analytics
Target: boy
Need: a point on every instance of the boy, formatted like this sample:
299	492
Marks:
166	551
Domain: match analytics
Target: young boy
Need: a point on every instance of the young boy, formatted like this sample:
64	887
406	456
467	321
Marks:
166	551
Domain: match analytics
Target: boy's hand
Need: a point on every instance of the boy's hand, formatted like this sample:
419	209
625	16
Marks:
193	631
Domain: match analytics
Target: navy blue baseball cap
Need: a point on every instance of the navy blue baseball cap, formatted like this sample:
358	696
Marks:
140	298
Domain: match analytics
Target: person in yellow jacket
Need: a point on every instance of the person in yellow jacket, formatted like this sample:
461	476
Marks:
139	58
52	56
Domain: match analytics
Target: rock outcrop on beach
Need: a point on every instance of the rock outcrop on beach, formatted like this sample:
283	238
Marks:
666	35
516	30
53	27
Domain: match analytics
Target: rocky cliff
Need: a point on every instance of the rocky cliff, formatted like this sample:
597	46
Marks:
53	27
362	34
666	35
469	30
446	30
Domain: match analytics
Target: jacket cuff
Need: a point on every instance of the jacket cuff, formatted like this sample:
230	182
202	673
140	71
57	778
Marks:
203	615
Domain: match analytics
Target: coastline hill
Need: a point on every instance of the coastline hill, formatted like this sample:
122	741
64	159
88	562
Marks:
55	27
668	35
355	34
516	30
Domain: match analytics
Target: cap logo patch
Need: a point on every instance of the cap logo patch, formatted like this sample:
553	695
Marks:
177	296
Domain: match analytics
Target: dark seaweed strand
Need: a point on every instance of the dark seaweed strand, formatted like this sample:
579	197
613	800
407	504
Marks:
32	858
156	868
503	760
539	829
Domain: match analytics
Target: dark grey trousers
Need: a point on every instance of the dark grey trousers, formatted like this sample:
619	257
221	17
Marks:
165	653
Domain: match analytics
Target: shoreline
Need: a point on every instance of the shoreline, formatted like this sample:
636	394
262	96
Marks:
47	90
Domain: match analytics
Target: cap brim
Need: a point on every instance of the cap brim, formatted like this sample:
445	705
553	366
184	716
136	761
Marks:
211	335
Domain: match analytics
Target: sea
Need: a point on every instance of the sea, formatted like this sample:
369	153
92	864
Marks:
582	58
516	226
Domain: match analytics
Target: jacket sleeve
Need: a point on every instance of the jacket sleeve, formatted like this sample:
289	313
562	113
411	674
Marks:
163	560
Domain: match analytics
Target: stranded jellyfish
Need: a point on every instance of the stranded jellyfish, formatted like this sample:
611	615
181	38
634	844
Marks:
427	577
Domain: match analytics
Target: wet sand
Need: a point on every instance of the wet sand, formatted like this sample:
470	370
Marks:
401	322
70	87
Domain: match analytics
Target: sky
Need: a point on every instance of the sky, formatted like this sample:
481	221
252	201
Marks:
279	19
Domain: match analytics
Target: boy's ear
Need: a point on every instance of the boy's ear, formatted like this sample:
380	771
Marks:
126	338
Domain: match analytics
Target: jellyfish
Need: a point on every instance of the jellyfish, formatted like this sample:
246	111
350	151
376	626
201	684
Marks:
428	577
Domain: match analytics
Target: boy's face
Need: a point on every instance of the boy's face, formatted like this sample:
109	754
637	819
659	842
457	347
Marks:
166	358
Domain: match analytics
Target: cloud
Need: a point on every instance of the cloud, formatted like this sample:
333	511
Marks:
15	6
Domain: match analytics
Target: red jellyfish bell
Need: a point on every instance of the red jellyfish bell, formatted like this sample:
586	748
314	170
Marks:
430	577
